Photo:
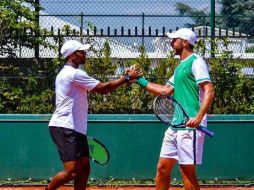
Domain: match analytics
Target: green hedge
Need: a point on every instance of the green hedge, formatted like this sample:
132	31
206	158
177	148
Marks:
27	85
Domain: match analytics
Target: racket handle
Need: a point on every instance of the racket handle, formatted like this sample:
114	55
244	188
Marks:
206	131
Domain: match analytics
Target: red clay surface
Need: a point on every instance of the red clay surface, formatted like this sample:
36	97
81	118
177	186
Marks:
123	188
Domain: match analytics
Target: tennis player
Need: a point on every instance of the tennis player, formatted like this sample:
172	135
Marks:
68	124
191	86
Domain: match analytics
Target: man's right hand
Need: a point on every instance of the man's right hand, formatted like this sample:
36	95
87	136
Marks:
133	72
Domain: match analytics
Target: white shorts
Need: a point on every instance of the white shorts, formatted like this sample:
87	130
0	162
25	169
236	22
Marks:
183	145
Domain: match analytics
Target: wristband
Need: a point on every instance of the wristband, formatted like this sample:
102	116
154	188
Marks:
142	81
127	77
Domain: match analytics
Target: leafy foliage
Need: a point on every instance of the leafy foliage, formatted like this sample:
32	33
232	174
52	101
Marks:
198	16
233	88
233	14
28	87
238	14
129	98
22	90
18	26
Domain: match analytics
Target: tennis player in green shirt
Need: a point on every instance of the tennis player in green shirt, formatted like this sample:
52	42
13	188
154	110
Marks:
191	86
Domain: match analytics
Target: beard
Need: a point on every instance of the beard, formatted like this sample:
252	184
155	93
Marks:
79	61
176	51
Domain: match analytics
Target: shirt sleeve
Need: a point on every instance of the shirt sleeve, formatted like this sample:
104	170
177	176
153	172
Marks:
200	71
171	81
82	79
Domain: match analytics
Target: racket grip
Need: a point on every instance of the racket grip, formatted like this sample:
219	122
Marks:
206	131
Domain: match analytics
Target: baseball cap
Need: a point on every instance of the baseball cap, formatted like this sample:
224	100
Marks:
71	46
185	34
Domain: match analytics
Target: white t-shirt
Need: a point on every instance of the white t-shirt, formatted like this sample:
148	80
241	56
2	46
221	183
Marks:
71	88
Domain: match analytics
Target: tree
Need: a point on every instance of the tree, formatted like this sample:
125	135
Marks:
19	25
26	92
198	16
238	14
101	67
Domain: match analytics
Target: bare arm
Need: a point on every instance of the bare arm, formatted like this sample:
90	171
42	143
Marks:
157	89
110	86
208	96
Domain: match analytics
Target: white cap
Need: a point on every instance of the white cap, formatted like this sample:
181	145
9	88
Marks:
185	34
71	46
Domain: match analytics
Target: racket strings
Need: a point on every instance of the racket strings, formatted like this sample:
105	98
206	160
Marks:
168	110
164	109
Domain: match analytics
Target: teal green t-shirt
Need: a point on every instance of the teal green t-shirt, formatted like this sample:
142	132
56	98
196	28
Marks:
188	74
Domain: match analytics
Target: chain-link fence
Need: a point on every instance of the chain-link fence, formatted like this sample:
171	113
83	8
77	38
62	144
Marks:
151	13
129	24
126	25
28	68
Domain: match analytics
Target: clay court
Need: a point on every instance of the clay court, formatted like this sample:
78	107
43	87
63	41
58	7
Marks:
126	188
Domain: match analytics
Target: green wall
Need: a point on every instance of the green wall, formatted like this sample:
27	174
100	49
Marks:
134	144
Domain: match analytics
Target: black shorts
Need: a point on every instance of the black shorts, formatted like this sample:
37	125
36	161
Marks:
71	145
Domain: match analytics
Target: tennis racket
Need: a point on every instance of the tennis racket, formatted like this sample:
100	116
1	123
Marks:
98	152
170	112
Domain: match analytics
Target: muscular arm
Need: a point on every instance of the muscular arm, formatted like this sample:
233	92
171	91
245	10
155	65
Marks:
157	89
208	96
110	86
